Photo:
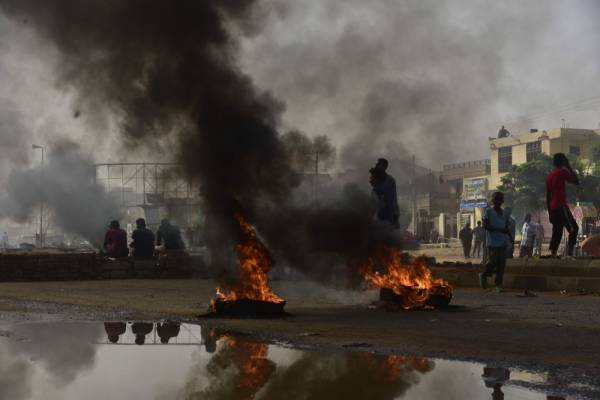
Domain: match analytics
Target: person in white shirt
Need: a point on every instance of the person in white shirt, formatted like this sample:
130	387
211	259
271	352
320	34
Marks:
5	241
527	237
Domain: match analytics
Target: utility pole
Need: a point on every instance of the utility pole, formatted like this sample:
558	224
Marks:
316	179
415	221
41	239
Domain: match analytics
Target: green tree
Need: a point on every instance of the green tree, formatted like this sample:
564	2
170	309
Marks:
524	186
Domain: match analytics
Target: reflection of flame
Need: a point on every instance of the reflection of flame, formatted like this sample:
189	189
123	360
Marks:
391	368
255	263
254	367
413	283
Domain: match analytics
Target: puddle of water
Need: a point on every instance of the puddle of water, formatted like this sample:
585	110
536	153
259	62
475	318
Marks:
179	361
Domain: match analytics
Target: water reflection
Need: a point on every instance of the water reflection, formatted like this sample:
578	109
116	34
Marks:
75	361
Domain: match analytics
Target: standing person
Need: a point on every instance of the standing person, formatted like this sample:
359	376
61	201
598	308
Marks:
170	234
384	189
527	237
5	240
479	235
466	238
496	223
143	240
115	241
539	238
556	200
512	230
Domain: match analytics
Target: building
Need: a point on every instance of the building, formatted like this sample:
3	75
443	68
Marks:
519	149
454	174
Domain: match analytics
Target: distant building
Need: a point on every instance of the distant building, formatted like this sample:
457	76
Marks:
519	149
454	174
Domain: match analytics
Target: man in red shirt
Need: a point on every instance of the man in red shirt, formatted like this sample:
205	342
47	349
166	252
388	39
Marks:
556	199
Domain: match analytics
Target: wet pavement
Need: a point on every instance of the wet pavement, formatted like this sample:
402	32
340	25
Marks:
168	360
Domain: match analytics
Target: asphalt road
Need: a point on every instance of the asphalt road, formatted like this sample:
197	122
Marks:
549	331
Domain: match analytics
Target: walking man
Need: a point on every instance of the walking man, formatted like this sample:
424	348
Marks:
466	238
496	223
479	234
556	199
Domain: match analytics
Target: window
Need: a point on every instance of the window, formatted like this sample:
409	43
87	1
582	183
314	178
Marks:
504	159
533	150
576	150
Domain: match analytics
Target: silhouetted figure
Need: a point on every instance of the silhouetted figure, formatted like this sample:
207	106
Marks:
479	236
494	378
503	132
384	189
170	235
143	240
115	241
556	200
512	230
209	337
140	330
466	238
114	330
167	330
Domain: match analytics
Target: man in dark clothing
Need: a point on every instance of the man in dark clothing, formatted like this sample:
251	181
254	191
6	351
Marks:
140	330
466	238
143	240
384	189
479	235
556	199
115	241
170	235
167	330
114	330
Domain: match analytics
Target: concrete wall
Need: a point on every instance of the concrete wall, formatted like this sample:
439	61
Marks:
87	266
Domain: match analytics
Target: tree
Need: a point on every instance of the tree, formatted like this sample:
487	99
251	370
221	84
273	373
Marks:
524	187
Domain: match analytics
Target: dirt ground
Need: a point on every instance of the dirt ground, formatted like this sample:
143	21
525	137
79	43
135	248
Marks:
550	331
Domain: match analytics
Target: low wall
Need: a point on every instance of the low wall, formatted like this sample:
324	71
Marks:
90	266
533	273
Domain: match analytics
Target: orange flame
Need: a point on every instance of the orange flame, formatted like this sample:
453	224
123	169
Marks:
413	283
255	263
255	369
390	368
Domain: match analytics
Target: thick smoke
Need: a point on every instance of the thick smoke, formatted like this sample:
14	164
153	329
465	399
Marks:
439	77
66	186
169	68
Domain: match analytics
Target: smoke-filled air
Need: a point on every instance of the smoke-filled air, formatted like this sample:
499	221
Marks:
226	88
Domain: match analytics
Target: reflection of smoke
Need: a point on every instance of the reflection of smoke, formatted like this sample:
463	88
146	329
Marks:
346	376
15	378
65	350
67	187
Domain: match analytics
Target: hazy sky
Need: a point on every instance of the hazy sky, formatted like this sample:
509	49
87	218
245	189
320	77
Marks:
438	77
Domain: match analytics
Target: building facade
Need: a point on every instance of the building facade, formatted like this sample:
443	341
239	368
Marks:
519	149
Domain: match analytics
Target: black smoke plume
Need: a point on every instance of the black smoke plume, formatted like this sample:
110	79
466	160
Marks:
169	67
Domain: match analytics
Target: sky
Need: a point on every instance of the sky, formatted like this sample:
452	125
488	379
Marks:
436	77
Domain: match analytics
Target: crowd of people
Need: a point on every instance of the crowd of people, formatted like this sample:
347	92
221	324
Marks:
500	233
493	239
165	331
143	243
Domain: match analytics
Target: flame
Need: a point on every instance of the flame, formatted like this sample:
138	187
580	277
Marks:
414	283
255	263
